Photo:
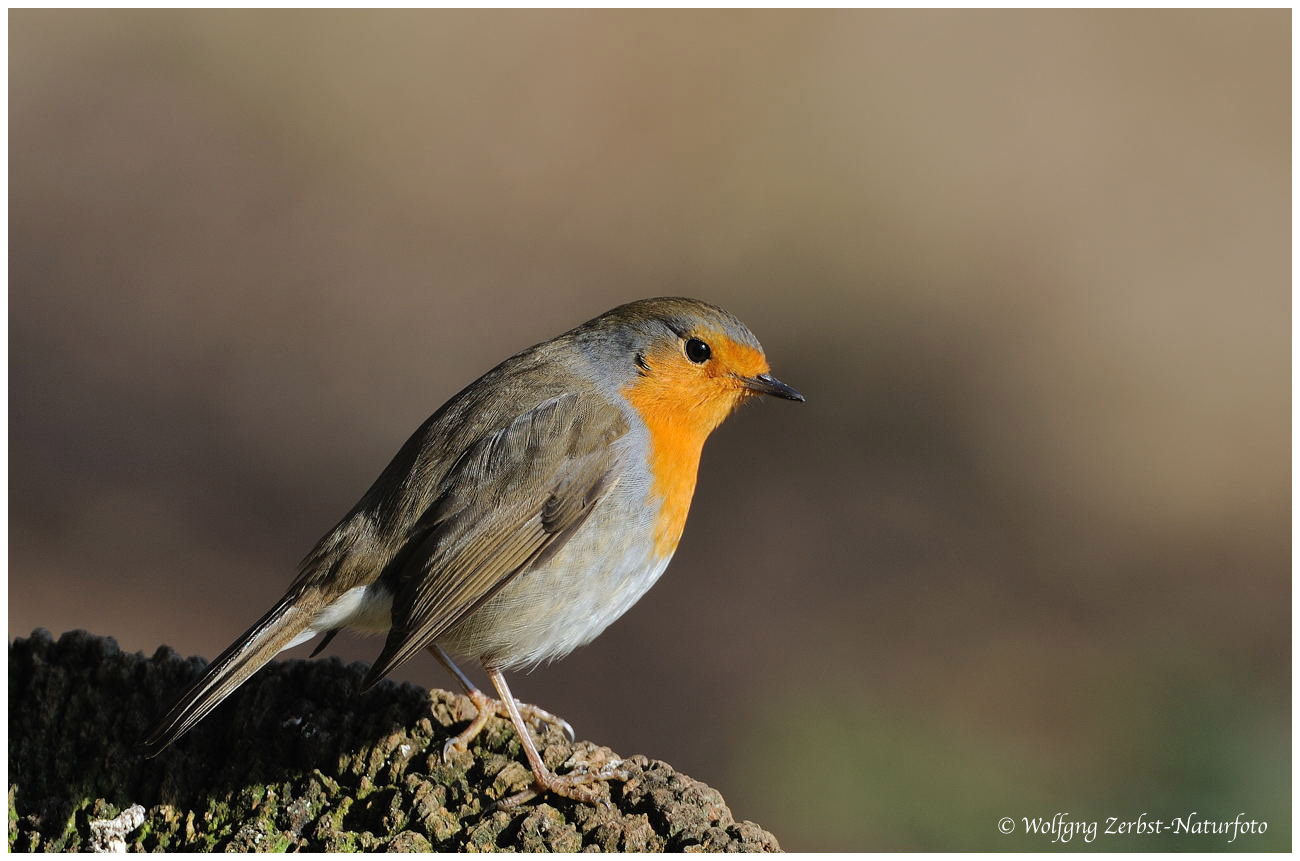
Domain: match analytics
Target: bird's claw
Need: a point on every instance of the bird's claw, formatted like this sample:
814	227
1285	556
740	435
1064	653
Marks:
535	715
453	746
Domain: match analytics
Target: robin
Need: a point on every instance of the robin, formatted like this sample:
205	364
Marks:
523	517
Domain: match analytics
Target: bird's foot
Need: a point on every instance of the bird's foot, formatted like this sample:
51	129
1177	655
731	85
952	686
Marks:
582	786
486	707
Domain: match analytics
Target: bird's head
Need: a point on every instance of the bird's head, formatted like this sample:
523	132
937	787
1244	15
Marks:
688	364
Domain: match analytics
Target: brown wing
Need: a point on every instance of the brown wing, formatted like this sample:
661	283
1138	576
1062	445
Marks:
509	502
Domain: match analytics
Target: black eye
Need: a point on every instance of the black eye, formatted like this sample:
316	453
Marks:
698	351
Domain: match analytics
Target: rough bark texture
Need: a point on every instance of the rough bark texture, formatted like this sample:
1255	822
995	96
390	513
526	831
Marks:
298	759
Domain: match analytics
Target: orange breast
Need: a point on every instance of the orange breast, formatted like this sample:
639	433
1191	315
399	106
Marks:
674	464
680	405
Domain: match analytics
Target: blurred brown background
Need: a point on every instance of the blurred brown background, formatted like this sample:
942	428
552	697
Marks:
1026	548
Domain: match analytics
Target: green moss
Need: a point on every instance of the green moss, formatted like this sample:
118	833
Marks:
13	817
70	838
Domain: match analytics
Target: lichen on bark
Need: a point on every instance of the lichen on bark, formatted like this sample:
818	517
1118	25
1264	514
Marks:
298	759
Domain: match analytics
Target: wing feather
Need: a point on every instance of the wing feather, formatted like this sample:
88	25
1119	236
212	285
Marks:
510	501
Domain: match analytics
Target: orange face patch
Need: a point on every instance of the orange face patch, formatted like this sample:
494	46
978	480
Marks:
732	357
682	403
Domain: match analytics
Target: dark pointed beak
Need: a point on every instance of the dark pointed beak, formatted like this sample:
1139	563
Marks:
769	385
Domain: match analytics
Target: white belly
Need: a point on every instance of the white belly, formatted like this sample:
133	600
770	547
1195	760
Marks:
548	612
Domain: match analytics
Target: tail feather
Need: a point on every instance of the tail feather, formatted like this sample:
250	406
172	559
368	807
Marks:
272	633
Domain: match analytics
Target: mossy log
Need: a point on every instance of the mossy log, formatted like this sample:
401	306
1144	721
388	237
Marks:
298	759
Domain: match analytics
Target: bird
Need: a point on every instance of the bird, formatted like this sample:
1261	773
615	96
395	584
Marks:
521	519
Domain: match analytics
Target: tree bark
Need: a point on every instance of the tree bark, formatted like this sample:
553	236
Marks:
298	759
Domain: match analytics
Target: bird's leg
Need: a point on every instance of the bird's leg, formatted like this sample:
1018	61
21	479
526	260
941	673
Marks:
576	786
483	705
486	707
